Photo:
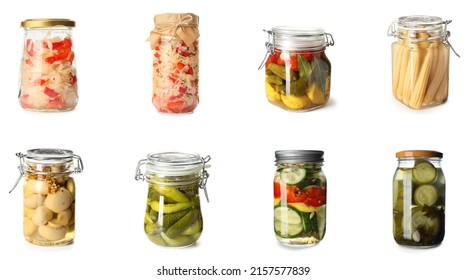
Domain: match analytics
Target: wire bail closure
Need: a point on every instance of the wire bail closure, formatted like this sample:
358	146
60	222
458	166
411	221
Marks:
271	44
204	177
392	32
22	171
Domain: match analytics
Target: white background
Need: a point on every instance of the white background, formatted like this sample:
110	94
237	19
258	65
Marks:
115	125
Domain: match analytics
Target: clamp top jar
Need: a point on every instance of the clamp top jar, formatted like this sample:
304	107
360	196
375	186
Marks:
48	71
49	195
173	209
298	73
420	60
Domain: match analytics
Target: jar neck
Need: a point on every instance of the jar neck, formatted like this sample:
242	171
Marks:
409	162
308	165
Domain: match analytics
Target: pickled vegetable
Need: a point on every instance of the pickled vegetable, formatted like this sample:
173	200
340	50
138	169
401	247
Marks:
420	71
300	203
418	205
298	81
179	222
49	208
48	75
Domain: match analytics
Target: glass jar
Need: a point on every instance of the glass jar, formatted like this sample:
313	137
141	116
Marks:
420	60
49	195
174	42
299	197
173	209
419	199
298	73
48	72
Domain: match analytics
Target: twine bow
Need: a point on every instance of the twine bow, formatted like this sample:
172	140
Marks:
184	26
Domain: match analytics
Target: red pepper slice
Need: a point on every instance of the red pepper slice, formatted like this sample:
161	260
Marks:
51	93
294	194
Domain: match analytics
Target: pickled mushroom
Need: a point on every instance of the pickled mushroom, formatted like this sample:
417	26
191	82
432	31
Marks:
63	218
59	201
33	200
52	233
36	186
41	215
29	227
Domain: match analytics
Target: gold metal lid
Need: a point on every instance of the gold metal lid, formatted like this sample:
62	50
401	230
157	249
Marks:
419	153
47	22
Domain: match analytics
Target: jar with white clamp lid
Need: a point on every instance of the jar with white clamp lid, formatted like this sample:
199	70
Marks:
173	209
420	60
49	195
298	72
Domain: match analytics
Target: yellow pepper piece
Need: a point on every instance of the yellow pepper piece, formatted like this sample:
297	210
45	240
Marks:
295	102
272	94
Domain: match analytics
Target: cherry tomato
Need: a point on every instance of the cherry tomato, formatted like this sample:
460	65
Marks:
293	62
271	59
294	194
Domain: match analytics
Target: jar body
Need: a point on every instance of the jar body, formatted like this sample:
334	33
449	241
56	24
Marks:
419	189
299	203
175	75
48	72
420	72
49	205
298	80
173	214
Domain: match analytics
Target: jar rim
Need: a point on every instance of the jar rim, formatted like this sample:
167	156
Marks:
418	21
47	22
300	38
419	153
49	154
299	156
175	163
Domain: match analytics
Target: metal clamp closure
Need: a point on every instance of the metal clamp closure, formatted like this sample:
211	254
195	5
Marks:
270	46
138	174
447	34
21	157
205	177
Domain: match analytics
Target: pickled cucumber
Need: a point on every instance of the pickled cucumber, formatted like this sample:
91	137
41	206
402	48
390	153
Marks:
171	193
169	219
170	208
299	87
273	79
282	73
424	172
182	224
180	241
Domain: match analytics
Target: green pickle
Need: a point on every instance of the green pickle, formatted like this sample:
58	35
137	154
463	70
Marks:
174	219
418	204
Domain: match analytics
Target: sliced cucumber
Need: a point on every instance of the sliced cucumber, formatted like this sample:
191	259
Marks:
287	215
424	172
423	223
426	195
293	175
287	230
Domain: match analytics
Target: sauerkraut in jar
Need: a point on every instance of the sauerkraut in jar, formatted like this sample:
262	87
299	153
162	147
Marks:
48	72
174	43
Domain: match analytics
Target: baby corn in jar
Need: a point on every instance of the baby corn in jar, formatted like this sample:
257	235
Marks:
420	61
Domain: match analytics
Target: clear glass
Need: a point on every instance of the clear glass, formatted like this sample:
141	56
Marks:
48	72
420	62
173	214
299	203
49	202
175	76
419	188
298	80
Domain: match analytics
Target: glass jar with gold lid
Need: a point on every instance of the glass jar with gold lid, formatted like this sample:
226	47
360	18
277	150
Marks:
48	70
